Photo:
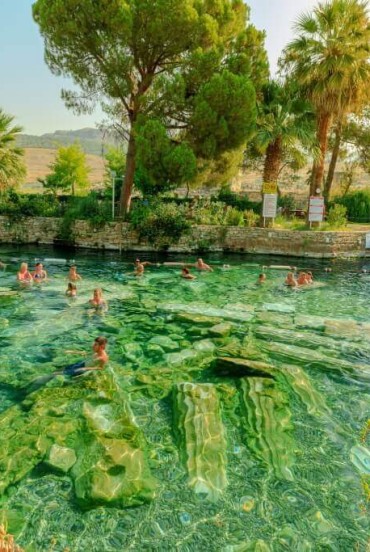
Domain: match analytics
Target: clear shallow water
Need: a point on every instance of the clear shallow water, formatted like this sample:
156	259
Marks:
289	478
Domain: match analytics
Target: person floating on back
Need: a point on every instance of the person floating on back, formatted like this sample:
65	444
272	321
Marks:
73	276
24	275
39	274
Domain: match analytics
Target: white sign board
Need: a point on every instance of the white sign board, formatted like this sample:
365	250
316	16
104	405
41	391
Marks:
367	245
269	205
316	209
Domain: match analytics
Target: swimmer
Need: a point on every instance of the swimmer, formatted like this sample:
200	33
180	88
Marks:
261	279
302	278
186	274
73	276
309	278
71	290
39	274
97	300
201	265
24	275
140	267
96	362
290	280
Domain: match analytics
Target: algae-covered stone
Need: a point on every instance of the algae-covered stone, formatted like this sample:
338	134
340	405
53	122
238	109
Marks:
199	319
61	458
278	320
165	342
133	351
227	366
205	346
198	420
302	385
182	357
221	329
268	425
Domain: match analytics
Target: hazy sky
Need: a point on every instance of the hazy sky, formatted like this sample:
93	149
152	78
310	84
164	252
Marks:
30	92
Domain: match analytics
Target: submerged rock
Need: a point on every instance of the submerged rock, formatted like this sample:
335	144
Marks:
198	421
221	329
236	367
301	384
268	426
360	457
165	342
85	428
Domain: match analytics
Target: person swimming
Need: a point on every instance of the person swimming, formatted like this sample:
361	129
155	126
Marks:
24	275
140	267
97	300
73	276
261	279
71	290
96	362
201	265
39	274
290	280
302	279
185	273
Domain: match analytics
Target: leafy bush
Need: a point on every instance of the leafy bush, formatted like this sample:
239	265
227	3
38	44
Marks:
357	205
159	223
287	202
241	202
337	217
208	213
91	208
17	206
250	218
233	217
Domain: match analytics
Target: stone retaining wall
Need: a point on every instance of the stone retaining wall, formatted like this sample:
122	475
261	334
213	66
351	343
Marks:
118	236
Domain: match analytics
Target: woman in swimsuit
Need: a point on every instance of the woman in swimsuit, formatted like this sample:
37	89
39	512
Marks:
71	290
24	275
39	274
97	301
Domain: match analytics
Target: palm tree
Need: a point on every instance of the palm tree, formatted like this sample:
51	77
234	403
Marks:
330	61
285	129
12	167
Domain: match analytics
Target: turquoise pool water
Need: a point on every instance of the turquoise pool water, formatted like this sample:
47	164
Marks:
269	459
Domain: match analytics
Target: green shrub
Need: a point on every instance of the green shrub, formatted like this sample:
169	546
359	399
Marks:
337	217
91	207
233	217
208	213
241	202
357	205
250	218
159	223
17	206
287	202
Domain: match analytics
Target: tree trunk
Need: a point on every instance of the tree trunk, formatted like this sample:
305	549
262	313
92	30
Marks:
272	162
333	160
128	182
323	126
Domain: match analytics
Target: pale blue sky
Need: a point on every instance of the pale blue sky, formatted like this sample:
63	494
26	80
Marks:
30	92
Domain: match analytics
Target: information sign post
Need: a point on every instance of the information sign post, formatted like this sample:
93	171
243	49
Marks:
316	209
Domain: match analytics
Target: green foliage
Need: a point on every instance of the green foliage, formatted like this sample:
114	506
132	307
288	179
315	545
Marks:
241	202
337	216
224	114
115	160
357	205
160	223
287	202
69	171
17	206
12	167
251	218
191	65
234	217
162	165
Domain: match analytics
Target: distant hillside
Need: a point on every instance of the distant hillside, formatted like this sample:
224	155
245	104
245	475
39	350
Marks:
92	140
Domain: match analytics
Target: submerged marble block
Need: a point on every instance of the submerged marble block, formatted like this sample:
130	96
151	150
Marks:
267	421
198	422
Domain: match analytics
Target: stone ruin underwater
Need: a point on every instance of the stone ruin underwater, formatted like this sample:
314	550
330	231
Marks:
229	417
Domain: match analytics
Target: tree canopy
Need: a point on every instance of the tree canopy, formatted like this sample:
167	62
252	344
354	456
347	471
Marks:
190	65
69	171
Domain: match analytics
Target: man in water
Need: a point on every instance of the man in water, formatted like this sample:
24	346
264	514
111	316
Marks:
140	267
201	265
261	279
96	362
